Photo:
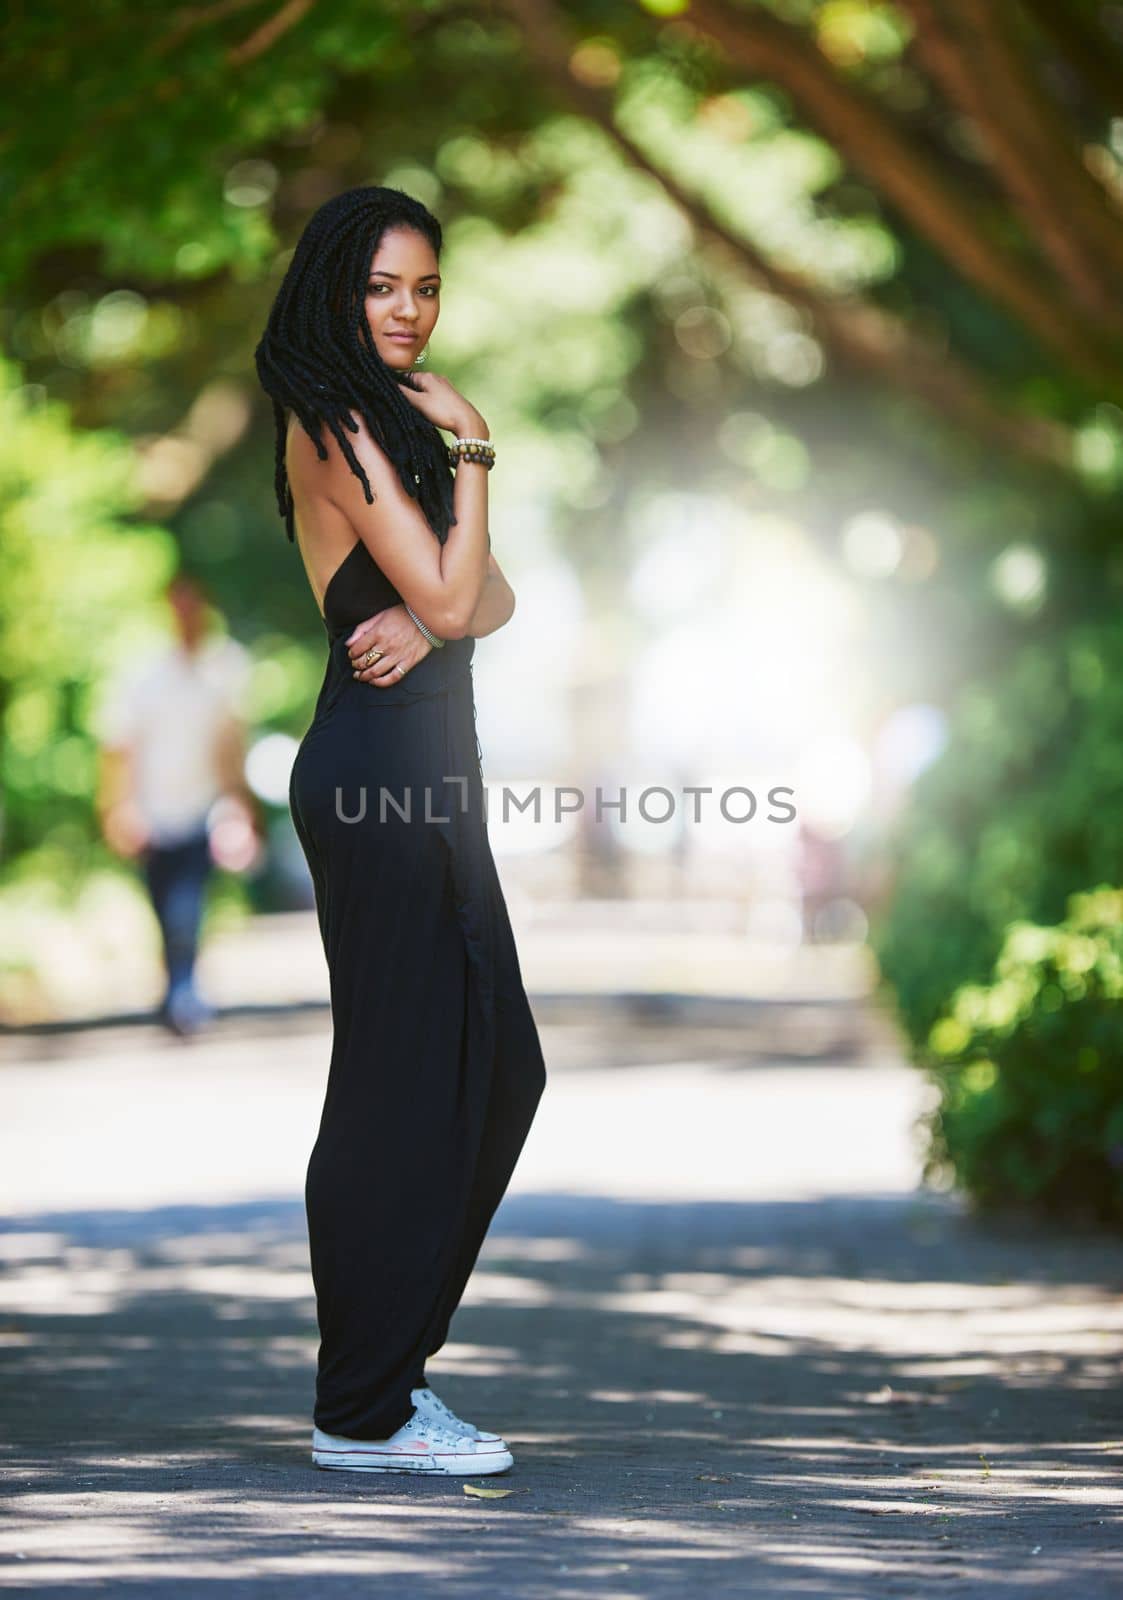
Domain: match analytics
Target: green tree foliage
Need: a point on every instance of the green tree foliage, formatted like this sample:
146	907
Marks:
982	133
79	584
1021	809
127	125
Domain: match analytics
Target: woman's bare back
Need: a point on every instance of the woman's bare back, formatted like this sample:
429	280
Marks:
324	534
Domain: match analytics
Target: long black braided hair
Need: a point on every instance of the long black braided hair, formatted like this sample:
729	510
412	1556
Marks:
317	356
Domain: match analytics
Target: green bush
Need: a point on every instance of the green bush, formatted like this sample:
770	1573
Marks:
1030	1070
1020	811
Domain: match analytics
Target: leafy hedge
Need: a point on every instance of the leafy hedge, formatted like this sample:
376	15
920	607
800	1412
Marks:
1030	1069
1001	943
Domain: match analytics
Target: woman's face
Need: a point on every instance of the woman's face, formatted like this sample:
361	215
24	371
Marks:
403	296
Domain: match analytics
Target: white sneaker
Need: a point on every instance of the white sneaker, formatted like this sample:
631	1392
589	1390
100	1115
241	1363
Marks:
420	1445
433	1406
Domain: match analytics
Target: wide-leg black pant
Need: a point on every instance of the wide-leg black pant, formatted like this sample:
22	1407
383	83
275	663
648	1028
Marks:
436	1067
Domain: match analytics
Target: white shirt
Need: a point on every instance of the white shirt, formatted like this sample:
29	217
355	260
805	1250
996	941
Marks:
168	710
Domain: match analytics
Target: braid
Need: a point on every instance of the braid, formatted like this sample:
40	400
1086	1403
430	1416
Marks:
317	356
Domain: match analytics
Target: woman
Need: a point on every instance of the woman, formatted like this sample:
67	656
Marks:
436	1067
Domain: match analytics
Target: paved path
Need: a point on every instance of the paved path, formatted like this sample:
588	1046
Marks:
735	1350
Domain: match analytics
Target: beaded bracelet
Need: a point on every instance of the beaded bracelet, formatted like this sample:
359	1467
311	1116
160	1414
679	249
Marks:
438	644
481	450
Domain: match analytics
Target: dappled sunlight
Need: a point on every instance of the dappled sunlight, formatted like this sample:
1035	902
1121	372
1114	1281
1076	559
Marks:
714	1307
719	1359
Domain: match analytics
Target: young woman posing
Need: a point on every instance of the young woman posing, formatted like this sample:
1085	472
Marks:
436	1067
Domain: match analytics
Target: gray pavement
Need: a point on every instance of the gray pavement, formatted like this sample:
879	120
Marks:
735	1348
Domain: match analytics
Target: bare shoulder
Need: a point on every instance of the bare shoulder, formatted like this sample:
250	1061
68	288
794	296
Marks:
336	475
304	460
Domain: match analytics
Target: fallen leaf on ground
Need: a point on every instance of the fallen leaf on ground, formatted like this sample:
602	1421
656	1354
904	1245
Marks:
486	1494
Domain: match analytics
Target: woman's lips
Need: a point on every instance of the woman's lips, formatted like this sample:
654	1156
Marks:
403	338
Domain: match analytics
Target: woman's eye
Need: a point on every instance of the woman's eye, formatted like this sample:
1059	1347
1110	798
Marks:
428	290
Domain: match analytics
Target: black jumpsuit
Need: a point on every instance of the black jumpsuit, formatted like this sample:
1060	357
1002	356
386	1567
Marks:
436	1066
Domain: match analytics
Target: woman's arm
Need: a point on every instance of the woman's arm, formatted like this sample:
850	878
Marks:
443	583
496	605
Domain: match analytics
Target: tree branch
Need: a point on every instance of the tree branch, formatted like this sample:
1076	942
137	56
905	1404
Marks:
190	18
967	77
263	38
1037	122
863	337
863	133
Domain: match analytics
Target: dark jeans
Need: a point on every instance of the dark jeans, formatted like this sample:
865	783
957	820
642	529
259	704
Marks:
177	878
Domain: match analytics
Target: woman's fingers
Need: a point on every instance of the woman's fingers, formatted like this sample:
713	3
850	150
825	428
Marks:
383	672
366	670
364	656
373	634
392	633
362	637
361	649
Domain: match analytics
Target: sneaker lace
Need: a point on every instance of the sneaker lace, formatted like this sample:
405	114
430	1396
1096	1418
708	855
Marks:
436	1403
436	1432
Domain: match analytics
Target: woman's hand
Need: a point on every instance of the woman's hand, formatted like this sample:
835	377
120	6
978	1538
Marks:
444	405
394	632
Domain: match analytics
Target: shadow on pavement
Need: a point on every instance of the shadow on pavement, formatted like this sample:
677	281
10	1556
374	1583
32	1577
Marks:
850	1396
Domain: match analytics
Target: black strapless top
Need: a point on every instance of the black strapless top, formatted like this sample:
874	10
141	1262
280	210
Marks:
356	590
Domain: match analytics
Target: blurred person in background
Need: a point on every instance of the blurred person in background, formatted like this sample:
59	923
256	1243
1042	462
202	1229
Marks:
172	747
821	874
